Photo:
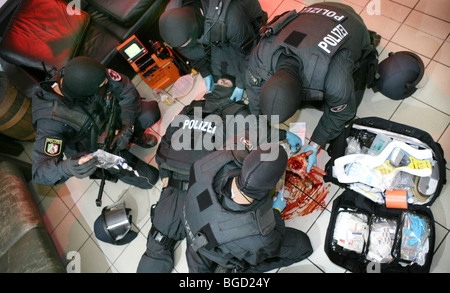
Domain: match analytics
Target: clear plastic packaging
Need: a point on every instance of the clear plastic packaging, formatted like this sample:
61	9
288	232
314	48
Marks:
381	239
164	96
351	231
414	238
107	160
379	144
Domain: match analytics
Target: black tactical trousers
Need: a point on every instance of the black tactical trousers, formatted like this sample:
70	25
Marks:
295	247
167	219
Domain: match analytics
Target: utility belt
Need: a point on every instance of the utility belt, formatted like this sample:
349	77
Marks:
179	184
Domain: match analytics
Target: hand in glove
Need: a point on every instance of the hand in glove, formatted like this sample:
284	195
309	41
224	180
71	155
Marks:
312	158
209	82
279	203
79	168
299	164
237	94
120	142
294	141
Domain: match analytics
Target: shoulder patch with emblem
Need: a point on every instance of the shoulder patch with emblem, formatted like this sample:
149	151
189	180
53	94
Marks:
338	108
114	75
52	147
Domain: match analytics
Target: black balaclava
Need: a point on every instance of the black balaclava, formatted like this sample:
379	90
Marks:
261	171
220	92
82	77
281	93
178	25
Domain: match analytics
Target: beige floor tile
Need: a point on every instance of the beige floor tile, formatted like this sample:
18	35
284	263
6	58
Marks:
86	211
69	236
92	259
436	88
128	261
444	141
393	10
361	3
417	114
417	41
72	190
443	55
436	8
428	24
376	104
384	26
287	5
441	259
409	3
317	237
53	210
392	47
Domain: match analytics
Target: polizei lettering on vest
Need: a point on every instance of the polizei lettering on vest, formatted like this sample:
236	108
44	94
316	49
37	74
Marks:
325	12
333	38
199	125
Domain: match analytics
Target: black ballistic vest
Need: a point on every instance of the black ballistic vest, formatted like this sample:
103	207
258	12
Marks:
208	224
87	122
314	37
177	155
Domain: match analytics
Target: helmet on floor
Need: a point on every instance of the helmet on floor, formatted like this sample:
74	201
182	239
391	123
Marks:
399	75
114	225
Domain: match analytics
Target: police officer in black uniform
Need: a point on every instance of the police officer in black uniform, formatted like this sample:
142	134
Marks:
211	35
175	157
323	56
232	223
69	114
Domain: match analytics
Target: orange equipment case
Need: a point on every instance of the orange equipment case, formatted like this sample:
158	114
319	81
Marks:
156	72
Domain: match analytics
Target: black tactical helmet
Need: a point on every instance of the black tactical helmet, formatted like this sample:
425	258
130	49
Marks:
178	25
399	75
261	170
280	95
81	77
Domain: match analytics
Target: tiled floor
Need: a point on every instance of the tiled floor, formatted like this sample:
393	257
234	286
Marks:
421	26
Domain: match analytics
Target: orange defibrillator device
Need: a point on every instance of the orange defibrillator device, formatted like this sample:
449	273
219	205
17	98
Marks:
156	70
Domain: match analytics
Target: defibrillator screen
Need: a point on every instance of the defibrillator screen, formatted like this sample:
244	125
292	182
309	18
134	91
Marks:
132	49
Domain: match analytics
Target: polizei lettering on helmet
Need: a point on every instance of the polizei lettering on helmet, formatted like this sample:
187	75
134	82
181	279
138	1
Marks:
199	125
333	38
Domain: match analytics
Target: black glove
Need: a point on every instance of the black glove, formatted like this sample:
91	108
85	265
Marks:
122	139
72	168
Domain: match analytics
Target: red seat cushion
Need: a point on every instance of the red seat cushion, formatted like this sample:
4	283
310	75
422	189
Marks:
43	30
